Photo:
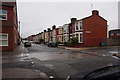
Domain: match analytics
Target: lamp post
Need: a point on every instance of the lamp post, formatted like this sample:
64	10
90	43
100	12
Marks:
19	31
19	27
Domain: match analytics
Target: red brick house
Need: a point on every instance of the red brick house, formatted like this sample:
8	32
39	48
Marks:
91	31
57	32
53	33
49	34
9	36
60	34
72	28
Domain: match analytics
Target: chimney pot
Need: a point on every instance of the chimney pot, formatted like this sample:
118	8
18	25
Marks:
95	12
48	29
44	30
73	20
53	27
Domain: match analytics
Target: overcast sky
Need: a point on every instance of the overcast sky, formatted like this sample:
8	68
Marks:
36	16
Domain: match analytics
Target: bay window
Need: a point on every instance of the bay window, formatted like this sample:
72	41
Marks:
76	26
81	26
81	38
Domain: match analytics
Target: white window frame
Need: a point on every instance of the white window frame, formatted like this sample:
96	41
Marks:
82	38
118	34
79	24
4	39
3	14
112	34
76	24
64	29
79	36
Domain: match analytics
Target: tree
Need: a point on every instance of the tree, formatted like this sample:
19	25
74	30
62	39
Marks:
41	40
74	41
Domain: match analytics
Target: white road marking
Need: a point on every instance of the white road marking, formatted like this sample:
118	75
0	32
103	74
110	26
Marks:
115	57
51	77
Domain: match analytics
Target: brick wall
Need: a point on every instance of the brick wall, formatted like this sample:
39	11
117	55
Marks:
9	31
10	27
98	31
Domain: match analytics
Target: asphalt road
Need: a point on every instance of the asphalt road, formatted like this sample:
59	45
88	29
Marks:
60	63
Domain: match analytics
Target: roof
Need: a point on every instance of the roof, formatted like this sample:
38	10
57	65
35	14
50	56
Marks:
115	30
79	20
91	16
8	4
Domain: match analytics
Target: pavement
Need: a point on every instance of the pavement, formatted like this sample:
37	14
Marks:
20	49
15	57
100	51
19	73
85	48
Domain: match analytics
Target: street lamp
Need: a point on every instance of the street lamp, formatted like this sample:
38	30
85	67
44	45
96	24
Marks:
19	30
19	27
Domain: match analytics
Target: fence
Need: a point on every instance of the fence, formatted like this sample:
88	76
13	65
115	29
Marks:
113	42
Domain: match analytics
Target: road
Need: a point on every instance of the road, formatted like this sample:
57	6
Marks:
60	63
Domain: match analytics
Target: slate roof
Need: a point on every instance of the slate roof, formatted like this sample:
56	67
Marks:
8	4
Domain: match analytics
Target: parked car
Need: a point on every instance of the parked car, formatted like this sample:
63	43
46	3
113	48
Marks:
105	73
27	44
52	44
24	41
37	42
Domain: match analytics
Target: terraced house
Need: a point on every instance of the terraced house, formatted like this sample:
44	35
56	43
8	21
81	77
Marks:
90	31
60	34
72	28
49	34
9	36
66	33
46	36
53	33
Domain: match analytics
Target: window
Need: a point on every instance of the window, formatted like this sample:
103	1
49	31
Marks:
3	39
51	38
76	26
60	31
3	14
51	32
77	36
64	38
81	36
64	29
81	25
54	32
118	34
112	34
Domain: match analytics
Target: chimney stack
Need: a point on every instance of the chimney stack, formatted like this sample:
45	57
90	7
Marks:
44	30
73	20
53	27
95	12
48	29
